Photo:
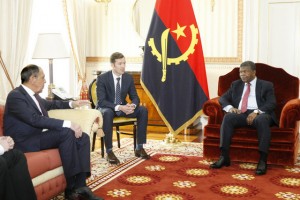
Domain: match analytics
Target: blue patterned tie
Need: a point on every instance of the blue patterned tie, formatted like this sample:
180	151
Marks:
118	92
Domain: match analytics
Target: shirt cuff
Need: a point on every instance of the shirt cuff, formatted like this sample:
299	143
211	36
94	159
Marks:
227	108
1	150
70	104
67	124
117	107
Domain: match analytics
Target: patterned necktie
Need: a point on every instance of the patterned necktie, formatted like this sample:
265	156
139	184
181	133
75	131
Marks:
245	98
39	100
118	92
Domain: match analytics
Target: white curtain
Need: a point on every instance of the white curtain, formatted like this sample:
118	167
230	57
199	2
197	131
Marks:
15	18
75	14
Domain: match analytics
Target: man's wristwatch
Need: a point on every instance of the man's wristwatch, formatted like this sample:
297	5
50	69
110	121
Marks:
256	112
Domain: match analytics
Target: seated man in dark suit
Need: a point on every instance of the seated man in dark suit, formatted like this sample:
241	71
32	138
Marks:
26	121
14	175
248	102
112	89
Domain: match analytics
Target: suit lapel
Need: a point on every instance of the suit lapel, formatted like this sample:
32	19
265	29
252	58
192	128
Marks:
124	83
28	98
240	92
111	84
258	91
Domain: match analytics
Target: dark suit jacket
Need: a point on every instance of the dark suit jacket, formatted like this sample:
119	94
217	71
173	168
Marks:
265	97
106	90
24	122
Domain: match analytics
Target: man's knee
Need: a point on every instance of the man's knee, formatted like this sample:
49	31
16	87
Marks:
85	138
3	165
229	117
143	110
19	155
107	113
262	120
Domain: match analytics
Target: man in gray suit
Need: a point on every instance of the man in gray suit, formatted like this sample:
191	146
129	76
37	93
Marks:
112	90
248	102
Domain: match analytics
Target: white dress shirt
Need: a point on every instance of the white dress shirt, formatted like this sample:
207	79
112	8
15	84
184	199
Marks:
1	150
252	103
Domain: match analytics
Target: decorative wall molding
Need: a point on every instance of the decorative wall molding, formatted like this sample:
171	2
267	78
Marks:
239	42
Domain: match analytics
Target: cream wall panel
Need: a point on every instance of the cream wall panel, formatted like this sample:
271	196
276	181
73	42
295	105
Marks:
112	30
218	27
279	34
284	34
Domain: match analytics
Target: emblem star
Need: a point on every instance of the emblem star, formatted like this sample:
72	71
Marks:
179	31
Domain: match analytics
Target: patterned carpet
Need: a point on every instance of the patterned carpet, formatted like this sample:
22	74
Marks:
178	172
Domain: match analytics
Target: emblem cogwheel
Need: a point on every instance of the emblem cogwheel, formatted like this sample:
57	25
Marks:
182	57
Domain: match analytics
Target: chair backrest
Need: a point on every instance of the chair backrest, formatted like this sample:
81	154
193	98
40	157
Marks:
93	93
286	86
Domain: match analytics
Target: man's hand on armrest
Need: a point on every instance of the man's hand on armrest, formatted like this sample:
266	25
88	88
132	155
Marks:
79	103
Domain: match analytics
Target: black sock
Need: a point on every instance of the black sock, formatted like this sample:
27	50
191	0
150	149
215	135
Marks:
70	183
225	153
263	156
80	180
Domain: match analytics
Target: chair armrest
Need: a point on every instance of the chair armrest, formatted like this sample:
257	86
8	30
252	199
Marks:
290	114
213	110
89	119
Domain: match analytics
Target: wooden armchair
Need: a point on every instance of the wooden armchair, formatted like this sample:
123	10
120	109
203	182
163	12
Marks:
244	146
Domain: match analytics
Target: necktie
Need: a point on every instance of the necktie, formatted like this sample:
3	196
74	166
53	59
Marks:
118	92
245	98
39	100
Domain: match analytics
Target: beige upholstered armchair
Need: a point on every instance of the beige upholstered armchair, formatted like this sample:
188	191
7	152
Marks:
90	120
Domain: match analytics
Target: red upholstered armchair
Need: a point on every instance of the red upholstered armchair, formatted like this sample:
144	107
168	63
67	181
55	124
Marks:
244	145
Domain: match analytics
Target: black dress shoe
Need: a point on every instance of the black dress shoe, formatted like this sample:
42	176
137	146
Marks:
141	153
220	163
112	159
71	195
261	168
86	193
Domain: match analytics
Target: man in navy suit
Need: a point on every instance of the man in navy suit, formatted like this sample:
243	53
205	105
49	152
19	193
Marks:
258	112
111	104
26	121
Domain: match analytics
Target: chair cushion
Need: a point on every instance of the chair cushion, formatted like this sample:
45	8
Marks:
124	120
